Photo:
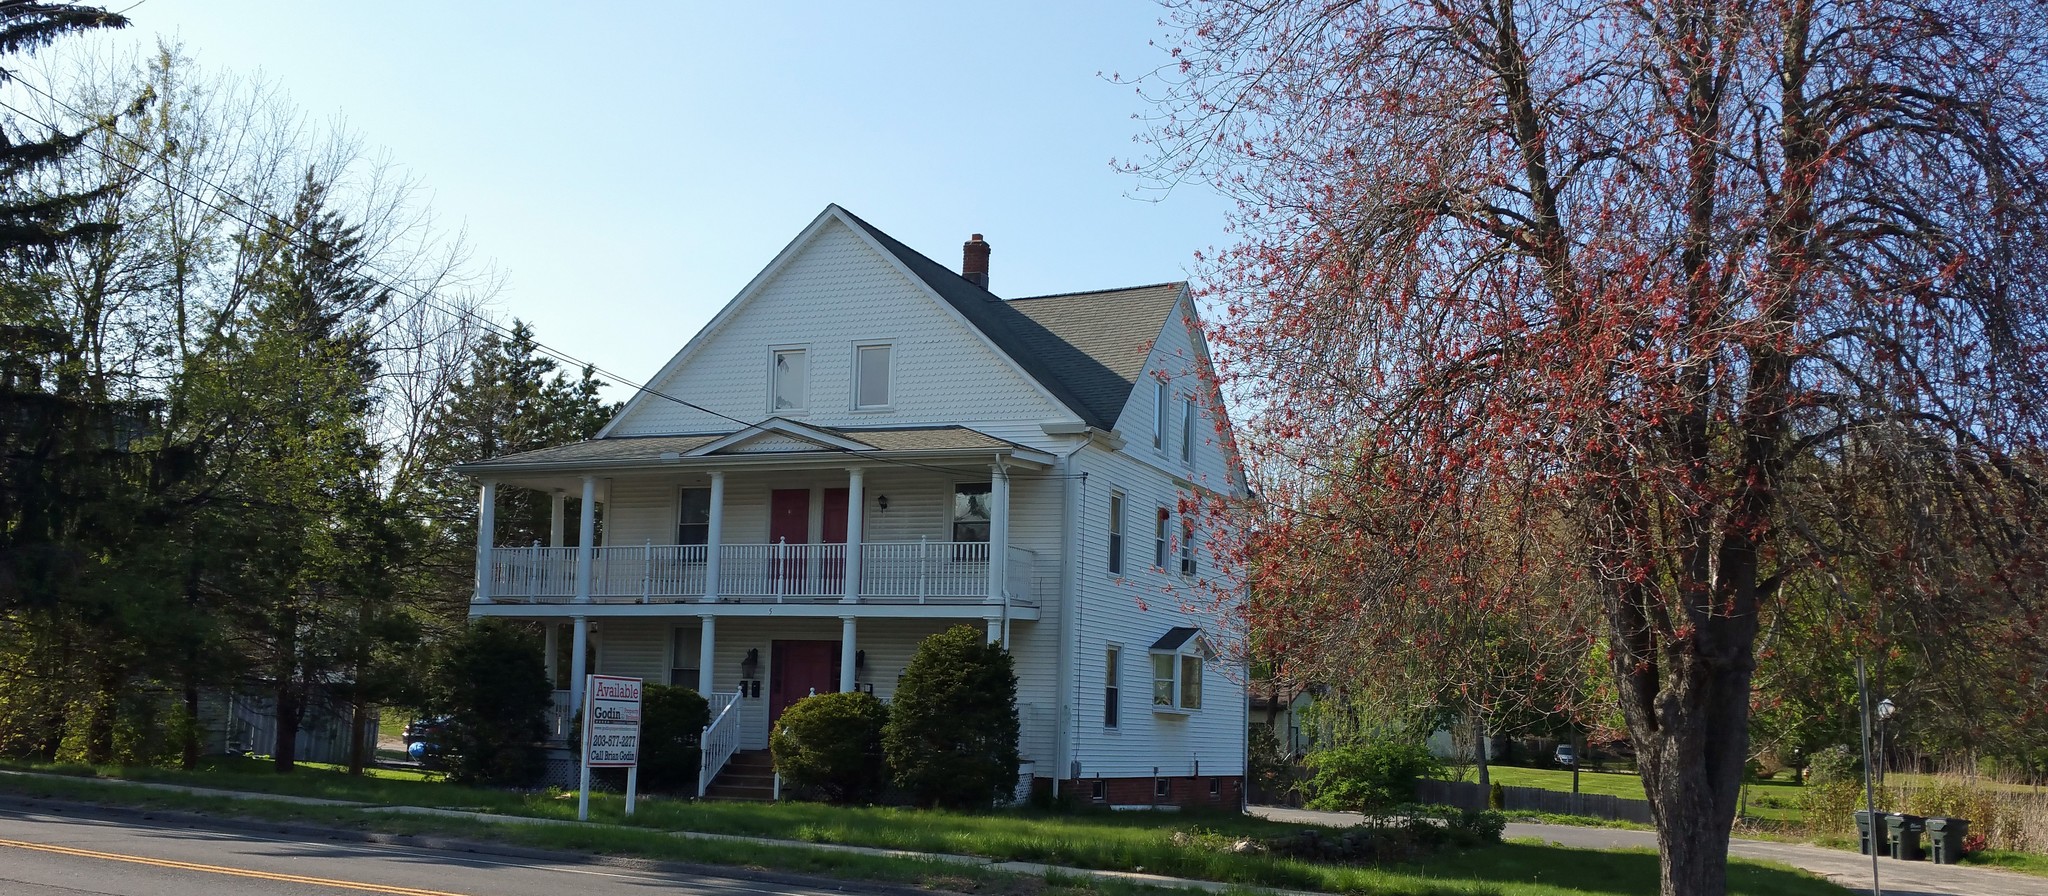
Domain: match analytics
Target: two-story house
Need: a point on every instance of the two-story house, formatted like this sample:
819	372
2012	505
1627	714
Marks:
865	448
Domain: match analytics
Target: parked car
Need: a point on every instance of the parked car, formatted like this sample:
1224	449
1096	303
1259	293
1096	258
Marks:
424	742
1566	755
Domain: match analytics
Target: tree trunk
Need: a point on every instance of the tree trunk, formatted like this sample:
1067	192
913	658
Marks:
285	752
358	713
1480	752
189	754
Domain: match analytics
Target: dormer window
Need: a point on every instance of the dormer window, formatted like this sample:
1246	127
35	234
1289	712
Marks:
1179	659
788	375
871	377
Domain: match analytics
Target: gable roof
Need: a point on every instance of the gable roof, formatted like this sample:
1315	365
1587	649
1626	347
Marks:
1086	348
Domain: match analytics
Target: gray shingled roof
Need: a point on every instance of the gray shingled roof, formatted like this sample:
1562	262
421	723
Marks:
1082	355
649	449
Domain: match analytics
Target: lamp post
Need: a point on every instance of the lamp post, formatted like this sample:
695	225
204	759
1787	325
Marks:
1869	791
1885	710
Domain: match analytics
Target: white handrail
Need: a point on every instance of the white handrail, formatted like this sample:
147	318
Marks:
922	571
719	741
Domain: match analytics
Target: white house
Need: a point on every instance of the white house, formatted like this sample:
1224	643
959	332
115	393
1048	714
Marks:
865	448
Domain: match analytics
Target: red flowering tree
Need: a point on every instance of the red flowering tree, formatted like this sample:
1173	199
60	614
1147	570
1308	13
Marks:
1664	289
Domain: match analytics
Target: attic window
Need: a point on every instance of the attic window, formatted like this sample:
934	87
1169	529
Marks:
1179	659
787	372
871	376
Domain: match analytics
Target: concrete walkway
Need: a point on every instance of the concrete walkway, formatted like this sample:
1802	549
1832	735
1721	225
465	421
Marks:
1851	870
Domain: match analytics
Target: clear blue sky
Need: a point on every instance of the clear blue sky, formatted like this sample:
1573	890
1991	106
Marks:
630	166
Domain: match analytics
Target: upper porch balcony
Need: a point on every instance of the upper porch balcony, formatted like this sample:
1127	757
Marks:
899	572
776	513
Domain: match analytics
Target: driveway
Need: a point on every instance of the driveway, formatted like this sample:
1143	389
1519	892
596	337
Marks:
1848	869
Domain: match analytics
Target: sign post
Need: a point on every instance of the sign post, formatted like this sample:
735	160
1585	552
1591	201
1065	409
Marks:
611	734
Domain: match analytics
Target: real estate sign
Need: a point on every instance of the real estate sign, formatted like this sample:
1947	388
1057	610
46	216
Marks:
611	726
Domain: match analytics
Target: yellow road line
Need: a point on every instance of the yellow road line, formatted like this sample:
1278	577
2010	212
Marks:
220	869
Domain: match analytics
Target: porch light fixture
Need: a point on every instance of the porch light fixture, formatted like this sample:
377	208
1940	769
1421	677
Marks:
751	664
860	659
882	501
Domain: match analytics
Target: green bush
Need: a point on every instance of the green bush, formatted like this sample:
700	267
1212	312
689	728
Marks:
1496	797
952	735
1371	776
672	720
1836	763
492	684
833	743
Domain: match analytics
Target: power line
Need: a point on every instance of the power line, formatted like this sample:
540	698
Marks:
391	283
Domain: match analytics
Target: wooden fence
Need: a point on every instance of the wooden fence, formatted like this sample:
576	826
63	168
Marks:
1534	799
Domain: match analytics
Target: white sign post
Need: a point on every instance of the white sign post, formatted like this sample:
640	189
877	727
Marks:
611	734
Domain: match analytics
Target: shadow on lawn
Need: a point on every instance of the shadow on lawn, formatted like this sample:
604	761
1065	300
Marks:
1620	872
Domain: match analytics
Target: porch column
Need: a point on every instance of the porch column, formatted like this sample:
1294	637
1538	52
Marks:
995	629
714	537
551	640
998	532
853	538
579	652
585	546
486	537
558	510
847	671
705	639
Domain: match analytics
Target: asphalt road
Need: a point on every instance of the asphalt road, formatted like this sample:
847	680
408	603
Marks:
52	854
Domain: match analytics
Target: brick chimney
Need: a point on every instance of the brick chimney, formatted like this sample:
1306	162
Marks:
974	261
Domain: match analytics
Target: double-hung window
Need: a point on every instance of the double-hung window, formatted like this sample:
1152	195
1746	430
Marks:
1112	693
1159	539
1187	547
693	521
1116	533
1162	394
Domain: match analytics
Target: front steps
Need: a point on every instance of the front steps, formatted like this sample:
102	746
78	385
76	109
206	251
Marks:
749	776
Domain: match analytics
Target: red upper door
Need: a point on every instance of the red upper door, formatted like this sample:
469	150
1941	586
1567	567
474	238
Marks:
789	516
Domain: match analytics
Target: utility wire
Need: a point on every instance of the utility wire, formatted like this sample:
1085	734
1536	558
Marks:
291	236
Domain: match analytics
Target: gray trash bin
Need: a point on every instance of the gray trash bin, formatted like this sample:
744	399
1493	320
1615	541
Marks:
1863	830
1903	835
1945	839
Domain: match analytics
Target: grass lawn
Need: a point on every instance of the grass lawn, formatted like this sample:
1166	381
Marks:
1120	841
1775	800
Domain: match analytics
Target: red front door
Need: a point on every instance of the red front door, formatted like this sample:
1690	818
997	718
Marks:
799	668
833	532
789	523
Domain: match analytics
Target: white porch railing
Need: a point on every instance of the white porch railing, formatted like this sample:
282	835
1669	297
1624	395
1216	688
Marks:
720	740
560	716
919	571
897	572
782	571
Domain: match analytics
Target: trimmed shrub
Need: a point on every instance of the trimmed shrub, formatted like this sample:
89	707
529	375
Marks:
952	735
672	720
1371	777
492	684
832	743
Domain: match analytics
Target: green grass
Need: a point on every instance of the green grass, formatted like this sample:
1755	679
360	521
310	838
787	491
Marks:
2010	860
1117	841
1775	801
